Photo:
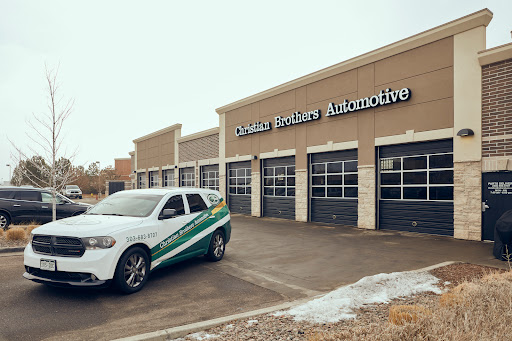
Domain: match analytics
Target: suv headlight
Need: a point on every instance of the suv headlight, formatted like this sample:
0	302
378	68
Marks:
95	243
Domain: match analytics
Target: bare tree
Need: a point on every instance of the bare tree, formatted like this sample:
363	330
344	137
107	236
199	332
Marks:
51	168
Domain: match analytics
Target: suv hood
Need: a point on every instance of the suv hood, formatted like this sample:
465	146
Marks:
88	225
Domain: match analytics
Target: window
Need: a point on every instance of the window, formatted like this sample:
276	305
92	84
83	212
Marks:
196	203
142	180
176	202
419	177
188	179
6	194
28	195
334	179
240	181
46	197
168	176
153	179
210	180
279	181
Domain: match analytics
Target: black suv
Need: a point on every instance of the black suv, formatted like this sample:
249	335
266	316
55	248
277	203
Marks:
20	205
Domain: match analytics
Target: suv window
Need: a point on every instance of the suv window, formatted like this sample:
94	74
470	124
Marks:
28	195
176	202
6	194
47	197
196	203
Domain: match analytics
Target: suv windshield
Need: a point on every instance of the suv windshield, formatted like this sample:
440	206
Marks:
133	205
72	187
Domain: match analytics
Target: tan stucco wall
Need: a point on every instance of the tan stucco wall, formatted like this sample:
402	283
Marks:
156	151
427	70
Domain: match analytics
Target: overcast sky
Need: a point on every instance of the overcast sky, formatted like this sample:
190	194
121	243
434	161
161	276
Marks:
134	67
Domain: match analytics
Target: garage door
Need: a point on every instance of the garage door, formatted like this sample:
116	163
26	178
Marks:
210	177
333	187
239	187
279	187
187	177
416	187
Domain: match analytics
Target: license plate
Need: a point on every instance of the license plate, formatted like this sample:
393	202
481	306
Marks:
48	264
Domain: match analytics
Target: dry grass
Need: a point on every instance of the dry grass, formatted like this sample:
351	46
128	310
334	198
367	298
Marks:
15	233
401	314
30	228
1	233
476	310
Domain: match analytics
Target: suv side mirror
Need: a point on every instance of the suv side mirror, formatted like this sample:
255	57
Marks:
167	213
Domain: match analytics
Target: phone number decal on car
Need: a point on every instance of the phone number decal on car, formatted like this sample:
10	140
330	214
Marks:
141	237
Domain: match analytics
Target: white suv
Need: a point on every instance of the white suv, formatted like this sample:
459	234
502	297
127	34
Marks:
127	235
72	191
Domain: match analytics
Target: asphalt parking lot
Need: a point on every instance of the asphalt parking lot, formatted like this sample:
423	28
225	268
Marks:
267	262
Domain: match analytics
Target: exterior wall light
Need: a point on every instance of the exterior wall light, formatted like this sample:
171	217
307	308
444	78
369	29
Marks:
465	132
254	157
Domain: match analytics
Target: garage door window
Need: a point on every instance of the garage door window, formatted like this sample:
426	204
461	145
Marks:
334	179
240	181
210	180
142	180
153	179
421	177
279	181
188	180
168	176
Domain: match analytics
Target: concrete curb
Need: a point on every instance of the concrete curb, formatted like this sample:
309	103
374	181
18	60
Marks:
12	249
182	331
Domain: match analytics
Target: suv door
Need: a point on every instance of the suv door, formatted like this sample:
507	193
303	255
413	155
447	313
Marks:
27	206
168	228
196	206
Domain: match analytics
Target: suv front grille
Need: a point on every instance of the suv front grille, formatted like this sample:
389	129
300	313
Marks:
58	246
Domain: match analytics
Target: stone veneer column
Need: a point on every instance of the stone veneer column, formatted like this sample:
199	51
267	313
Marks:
366	197
255	194
222	186
467	205
301	195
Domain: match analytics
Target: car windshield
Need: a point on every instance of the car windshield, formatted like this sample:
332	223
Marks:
133	205
72	187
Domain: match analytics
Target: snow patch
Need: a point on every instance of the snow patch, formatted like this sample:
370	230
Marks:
251	322
341	303
200	336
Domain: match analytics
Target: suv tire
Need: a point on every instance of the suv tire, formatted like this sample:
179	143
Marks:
217	246
132	270
5	221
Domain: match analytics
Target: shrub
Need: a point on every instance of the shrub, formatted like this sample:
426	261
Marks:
15	233
400	314
30	228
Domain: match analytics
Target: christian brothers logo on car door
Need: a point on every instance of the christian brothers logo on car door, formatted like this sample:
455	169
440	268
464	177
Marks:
197	225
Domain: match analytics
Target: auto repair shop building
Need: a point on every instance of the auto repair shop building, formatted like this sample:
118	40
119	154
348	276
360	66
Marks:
395	139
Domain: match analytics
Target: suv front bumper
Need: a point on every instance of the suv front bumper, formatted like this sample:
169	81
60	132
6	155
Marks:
100	263
63	279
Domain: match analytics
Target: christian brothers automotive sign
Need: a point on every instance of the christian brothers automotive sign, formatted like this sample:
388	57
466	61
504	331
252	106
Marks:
383	98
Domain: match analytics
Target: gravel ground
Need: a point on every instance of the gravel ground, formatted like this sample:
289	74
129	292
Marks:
269	327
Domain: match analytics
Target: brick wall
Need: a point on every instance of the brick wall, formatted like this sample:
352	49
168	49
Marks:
199	149
497	109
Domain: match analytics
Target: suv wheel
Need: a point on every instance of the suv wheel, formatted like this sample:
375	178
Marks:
132	271
4	221
217	246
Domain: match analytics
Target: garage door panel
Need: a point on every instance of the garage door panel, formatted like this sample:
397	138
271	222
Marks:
240	204
277	207
422	217
342	212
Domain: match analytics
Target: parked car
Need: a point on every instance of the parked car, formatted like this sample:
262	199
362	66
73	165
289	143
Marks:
72	191
127	235
25	205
